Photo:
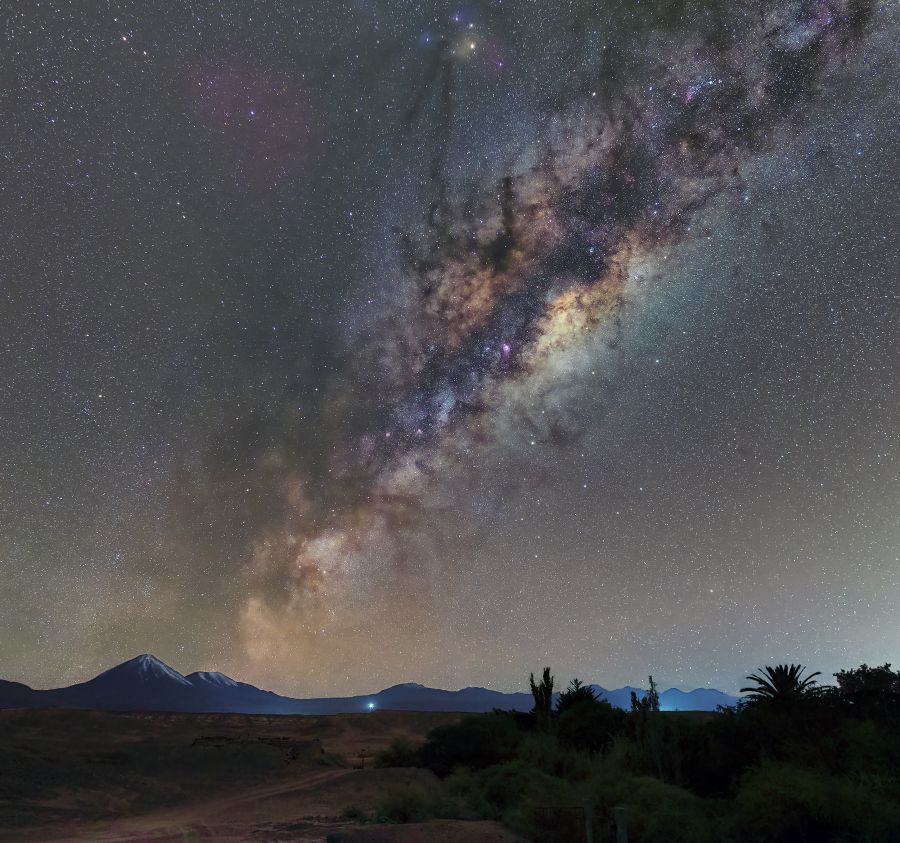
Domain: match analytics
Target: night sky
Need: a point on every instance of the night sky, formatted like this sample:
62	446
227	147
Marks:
351	343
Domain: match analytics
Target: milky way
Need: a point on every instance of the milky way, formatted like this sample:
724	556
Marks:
379	342
504	282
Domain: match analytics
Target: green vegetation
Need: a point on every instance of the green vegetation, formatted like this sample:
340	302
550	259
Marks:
402	752
795	762
405	805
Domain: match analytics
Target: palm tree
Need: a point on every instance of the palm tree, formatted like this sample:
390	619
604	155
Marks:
782	682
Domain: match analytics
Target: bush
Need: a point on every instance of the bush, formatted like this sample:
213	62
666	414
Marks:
590	726
547	754
656	812
354	814
714	755
784	803
507	785
405	805
476	741
465	786
663	813
509	792
401	753
870	749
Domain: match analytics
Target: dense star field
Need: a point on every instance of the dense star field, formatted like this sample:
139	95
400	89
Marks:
351	343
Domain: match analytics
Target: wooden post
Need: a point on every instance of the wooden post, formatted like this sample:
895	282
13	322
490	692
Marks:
620	818
589	823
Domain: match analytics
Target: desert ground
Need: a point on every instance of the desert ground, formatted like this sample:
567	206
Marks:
100	776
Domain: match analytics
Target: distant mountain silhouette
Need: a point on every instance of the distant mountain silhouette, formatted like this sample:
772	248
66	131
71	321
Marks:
700	699
15	695
145	683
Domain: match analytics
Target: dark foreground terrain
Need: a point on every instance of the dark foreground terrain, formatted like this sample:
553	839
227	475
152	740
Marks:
793	763
101	776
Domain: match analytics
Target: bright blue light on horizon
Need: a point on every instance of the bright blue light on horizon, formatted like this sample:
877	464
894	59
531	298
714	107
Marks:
370	706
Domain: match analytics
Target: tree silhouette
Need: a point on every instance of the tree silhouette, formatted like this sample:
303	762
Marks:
649	702
543	697
868	680
647	726
783	682
576	694
870	690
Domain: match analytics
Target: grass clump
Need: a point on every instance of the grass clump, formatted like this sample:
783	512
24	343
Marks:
405	804
401	753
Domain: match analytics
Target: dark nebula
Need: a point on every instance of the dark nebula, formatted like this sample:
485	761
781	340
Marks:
373	343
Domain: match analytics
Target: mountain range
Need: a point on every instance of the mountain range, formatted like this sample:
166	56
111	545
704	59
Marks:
145	683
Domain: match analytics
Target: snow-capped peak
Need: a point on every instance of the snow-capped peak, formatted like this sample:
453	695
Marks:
213	677
150	668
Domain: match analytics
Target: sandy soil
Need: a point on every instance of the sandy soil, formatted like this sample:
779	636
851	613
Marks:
303	806
125	778
303	809
439	831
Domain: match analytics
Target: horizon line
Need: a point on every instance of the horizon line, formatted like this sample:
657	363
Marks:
524	691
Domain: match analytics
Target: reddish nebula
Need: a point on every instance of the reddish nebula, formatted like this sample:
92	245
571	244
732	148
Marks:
261	124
